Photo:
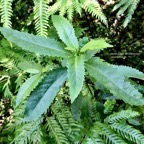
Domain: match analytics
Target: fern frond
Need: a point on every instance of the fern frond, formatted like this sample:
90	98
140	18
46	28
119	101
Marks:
56	131
16	118
6	12
77	6
95	139
16	55
57	109
63	8
20	80
7	91
41	16
131	11
37	136
23	134
109	136
93	136
109	105
122	115
93	7
128	6
55	7
128	132
124	8
70	9
6	87
100	133
84	107
70	6
63	115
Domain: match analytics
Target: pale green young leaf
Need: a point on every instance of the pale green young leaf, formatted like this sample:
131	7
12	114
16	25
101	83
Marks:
97	45
36	44
27	87
114	81
42	97
76	73
65	31
70	49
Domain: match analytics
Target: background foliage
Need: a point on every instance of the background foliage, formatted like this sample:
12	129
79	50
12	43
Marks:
65	123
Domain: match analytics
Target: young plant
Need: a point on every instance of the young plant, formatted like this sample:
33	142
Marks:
77	58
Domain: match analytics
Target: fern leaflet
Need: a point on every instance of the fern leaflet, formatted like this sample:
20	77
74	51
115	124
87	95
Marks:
123	115
6	12
128	132
128	6
56	130
93	7
41	16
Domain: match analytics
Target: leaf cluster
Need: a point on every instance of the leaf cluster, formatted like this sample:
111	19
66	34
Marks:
45	90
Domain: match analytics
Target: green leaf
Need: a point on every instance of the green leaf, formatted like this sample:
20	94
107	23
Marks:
130	72
65	31
97	45
36	44
76	73
30	67
27	87
44	94
114	81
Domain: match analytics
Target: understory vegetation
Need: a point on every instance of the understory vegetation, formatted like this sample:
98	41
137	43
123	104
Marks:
71	72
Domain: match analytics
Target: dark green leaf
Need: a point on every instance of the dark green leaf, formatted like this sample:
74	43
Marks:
36	44
114	81
42	97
